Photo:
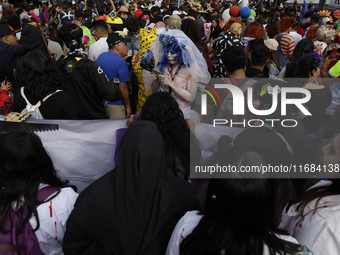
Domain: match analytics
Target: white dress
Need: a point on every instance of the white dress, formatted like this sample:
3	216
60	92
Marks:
318	232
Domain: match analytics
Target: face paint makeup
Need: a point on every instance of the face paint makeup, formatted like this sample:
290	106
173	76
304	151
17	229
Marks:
172	57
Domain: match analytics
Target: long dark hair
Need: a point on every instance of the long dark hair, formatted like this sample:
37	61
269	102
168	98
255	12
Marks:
239	217
302	68
304	46
317	193
39	74
162	109
25	164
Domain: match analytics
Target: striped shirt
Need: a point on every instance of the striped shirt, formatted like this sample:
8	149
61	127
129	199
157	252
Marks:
287	45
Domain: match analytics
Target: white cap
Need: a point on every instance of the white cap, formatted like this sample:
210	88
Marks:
175	12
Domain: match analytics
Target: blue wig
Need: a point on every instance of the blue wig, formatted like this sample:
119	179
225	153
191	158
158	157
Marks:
169	43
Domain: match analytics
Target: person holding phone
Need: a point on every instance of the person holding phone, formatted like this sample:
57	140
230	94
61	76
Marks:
180	65
6	97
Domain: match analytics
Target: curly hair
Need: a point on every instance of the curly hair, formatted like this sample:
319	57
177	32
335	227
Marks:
39	74
311	33
254	30
25	164
285	23
175	22
162	109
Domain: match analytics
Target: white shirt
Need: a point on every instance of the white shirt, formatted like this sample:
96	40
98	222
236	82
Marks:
53	217
187	224
98	48
320	231
296	36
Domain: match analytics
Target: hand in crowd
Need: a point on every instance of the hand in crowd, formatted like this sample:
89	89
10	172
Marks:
6	85
130	120
166	79
128	112
328	60
53	54
154	75
191	125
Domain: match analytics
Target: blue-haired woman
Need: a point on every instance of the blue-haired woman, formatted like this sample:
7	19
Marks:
181	65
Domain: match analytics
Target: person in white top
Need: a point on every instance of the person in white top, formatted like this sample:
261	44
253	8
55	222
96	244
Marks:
25	168
238	218
313	219
297	37
101	31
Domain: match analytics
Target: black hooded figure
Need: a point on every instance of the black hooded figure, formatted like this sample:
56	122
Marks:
134	208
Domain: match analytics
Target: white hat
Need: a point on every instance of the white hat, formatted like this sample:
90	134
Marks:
271	44
175	12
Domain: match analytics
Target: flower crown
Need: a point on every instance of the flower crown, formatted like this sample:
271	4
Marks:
171	41
167	39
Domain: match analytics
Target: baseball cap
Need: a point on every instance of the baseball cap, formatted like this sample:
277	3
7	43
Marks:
115	38
7	30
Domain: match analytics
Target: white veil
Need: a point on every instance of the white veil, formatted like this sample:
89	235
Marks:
192	57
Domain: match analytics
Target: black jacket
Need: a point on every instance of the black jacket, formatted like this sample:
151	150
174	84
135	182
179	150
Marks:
88	86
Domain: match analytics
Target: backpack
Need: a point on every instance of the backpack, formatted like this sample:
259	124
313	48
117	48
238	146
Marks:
34	109
23	242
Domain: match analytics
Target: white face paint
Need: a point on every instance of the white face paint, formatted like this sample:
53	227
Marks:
172	57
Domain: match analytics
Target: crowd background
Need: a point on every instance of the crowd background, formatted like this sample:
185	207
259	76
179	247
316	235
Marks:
145	61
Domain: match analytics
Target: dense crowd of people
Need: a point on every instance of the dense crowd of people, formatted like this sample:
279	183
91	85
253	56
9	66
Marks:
152	63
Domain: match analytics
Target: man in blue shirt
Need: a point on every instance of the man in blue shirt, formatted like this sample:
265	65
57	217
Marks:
114	66
9	50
